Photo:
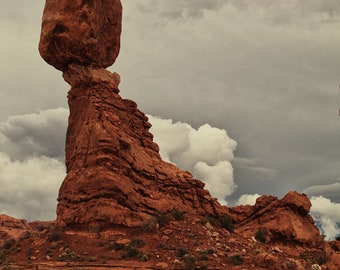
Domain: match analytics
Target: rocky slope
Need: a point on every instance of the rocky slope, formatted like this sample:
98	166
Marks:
262	238
121	206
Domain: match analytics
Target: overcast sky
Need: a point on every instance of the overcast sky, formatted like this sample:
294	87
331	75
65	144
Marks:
258	78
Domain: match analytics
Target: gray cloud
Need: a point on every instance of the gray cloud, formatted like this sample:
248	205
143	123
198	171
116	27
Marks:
330	191
273	84
29	188
36	134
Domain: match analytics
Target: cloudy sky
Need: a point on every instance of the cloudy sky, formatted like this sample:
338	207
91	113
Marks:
256	81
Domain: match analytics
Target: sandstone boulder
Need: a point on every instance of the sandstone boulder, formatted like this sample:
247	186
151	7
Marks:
84	32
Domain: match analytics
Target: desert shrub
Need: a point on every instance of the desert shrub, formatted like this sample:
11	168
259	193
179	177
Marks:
150	225
29	252
8	244
132	251
117	247
178	215
162	219
305	256
137	243
337	238
321	260
181	252
236	259
260	235
226	223
41	228
208	219
189	262
55	234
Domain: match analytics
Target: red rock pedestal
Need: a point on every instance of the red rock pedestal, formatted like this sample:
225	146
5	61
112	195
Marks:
114	172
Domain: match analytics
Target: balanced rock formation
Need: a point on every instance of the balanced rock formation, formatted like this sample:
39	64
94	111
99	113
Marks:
115	174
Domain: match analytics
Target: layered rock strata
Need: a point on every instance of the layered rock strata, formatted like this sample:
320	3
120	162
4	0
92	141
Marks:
115	174
114	171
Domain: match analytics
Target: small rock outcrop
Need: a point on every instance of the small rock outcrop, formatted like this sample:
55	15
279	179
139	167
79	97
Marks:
284	220
12	228
115	174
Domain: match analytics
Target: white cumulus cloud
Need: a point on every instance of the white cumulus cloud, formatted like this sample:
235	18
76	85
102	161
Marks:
326	215
206	152
248	199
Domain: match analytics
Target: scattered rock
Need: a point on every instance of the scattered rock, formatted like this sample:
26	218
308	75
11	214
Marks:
161	265
123	242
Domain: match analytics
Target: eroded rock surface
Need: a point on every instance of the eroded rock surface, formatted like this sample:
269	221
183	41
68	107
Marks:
84	32
285	220
115	174
12	228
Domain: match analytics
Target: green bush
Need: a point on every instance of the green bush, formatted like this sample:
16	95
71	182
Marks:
189	262
226	223
236	259
261	235
8	244
162	219
55	234
178	215
150	225
181	252
132	251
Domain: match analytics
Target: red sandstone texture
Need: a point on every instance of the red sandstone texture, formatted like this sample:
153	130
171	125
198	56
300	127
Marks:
115	174
85	32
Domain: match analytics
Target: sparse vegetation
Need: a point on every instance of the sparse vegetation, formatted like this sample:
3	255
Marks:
208	219
181	252
55	234
178	215
261	235
8	244
162	219
226	223
41	228
305	256
236	259
150	225
203	267
189	262
117	247
132	250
